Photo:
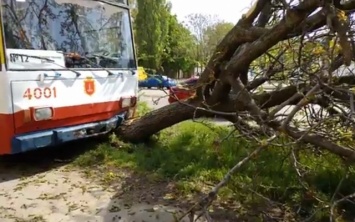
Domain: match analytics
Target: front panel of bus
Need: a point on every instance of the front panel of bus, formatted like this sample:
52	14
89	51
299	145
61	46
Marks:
68	71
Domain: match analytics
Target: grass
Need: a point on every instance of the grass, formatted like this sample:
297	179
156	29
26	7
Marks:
143	108
195	157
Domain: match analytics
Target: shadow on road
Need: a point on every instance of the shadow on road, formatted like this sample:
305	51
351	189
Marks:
41	160
141	199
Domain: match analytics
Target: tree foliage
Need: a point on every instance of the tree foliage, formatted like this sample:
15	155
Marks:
199	24
214	34
163	43
179	47
151	32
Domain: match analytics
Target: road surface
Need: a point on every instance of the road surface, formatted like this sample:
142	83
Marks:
158	98
154	98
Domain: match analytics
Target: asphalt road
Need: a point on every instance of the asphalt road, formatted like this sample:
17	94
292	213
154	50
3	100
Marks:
155	98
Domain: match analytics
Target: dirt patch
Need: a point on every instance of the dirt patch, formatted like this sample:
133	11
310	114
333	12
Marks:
55	195
65	194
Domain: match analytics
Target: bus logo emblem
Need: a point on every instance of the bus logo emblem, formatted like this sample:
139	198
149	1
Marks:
89	86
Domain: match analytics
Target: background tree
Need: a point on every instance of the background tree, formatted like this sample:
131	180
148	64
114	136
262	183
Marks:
171	45
179	48
151	30
199	24
214	34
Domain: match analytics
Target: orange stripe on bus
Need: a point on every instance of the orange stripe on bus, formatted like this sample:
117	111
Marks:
63	116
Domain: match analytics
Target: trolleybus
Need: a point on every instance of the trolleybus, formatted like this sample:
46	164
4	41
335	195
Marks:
67	71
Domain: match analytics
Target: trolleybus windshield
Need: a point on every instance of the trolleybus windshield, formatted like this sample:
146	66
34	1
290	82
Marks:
96	30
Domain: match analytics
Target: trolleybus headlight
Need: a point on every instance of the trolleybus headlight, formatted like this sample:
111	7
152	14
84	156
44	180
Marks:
125	102
44	113
128	102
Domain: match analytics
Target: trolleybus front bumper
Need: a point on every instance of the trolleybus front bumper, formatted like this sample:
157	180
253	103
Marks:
57	136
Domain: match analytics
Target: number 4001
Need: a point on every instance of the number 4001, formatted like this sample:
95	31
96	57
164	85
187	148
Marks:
39	93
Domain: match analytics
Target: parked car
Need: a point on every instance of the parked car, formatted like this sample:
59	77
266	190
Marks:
182	91
157	81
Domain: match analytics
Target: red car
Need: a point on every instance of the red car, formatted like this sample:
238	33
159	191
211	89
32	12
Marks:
182	91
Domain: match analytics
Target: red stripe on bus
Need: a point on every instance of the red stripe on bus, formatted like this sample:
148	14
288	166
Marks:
63	116
6	133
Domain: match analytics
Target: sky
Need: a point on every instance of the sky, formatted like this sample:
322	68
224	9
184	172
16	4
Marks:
228	10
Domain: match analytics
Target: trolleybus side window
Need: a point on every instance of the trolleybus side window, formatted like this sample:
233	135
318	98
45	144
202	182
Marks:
98	31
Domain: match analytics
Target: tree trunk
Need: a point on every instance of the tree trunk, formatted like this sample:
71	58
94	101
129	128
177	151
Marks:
141	129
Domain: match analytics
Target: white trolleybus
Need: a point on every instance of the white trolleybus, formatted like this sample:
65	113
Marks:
68	71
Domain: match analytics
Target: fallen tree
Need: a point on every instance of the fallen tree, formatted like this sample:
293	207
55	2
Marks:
233	57
311	41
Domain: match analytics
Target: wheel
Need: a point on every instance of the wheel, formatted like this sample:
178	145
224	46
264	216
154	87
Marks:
149	87
103	138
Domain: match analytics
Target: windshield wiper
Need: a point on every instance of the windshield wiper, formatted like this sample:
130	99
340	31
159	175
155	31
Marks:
48	60
85	58
105	57
97	64
32	56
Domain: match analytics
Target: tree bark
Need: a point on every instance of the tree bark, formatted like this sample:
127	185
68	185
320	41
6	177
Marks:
141	129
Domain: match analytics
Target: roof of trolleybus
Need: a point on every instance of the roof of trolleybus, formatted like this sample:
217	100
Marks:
97	32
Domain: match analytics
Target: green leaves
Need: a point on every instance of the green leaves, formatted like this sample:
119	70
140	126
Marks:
151	31
162	42
215	33
179	47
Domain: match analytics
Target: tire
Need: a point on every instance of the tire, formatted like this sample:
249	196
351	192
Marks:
149	87
103	138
